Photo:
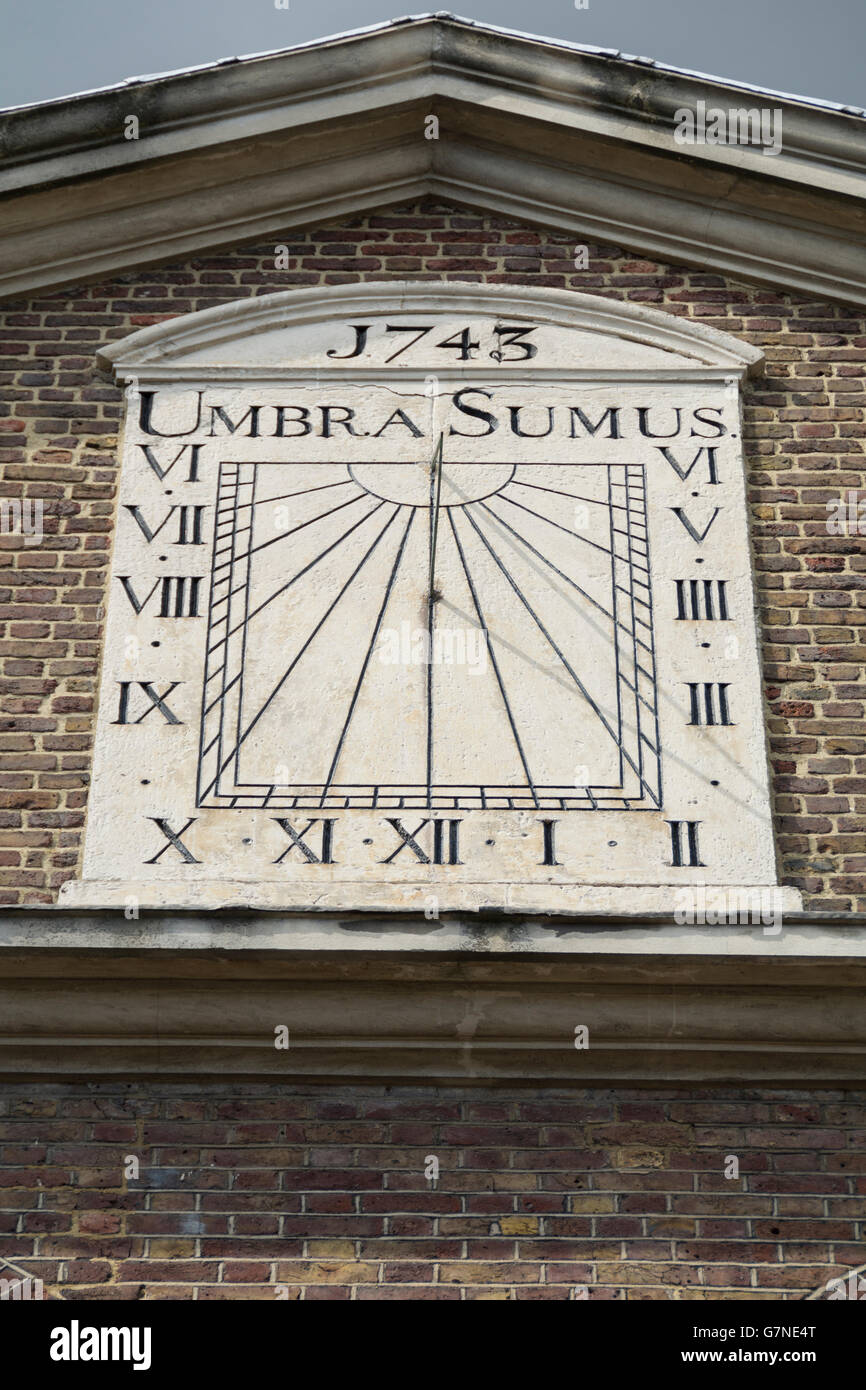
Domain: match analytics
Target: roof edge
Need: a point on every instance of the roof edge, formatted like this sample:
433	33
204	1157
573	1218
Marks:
438	17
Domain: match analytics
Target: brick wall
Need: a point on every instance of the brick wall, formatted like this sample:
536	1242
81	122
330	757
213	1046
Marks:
805	441
245	1188
323	1190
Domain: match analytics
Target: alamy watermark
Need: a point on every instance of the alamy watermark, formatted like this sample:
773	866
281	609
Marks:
852	1287
416	646
699	906
714	125
846	516
22	516
21	1290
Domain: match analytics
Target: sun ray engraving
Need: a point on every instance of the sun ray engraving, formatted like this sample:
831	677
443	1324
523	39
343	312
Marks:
495	657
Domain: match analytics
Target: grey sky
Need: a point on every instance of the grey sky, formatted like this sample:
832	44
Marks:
50	48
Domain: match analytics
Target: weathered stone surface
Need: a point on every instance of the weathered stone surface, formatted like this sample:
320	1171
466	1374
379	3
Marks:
429	596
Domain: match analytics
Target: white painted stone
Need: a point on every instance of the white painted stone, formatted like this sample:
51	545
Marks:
549	736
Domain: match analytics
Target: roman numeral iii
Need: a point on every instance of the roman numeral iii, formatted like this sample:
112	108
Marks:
709	703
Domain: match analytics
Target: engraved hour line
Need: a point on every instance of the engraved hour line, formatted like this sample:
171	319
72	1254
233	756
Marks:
561	492
545	560
601	608
388	590
285	496
284	535
482	620
541	517
613	617
435	498
300	574
297	658
631	632
584	692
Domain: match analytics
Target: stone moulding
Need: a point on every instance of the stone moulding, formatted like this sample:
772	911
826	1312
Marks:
709	352
194	995
528	129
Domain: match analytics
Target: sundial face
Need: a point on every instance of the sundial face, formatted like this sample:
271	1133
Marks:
431	635
444	604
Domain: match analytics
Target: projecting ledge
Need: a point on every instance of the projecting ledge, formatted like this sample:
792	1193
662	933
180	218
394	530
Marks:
467	1000
481	934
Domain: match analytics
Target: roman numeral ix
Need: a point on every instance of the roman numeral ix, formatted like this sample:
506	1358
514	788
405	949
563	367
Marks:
157	701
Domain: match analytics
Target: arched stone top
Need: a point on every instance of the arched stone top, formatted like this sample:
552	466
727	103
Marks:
593	336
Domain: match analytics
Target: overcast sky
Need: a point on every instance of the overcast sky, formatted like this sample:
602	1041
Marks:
50	48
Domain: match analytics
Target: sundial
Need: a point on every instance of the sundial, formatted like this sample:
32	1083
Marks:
429	594
540	631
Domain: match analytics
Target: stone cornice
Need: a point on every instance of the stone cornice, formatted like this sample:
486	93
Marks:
529	129
194	995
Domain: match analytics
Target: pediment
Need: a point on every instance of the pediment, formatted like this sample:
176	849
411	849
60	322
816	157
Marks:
542	132
587	336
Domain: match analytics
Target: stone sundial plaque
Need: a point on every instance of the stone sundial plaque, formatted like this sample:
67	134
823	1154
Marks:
429	596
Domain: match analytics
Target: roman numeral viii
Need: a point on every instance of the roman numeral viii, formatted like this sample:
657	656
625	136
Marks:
179	597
